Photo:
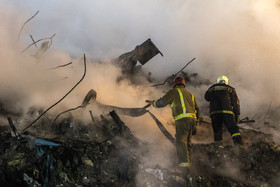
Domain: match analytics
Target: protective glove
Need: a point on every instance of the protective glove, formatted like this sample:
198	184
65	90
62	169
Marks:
237	118
150	102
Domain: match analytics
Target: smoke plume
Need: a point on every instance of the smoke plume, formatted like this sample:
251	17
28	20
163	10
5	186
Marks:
239	40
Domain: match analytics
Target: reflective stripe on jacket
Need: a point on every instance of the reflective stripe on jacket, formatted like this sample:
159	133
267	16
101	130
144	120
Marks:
181	101
223	99
221	112
184	114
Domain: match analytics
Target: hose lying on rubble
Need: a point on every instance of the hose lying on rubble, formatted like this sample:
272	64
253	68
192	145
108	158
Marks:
163	129
133	112
91	96
136	112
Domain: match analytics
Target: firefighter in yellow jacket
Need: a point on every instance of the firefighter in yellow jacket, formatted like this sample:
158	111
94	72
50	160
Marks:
185	112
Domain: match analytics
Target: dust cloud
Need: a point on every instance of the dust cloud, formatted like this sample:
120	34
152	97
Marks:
240	40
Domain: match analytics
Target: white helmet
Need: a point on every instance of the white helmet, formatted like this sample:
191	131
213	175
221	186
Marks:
222	79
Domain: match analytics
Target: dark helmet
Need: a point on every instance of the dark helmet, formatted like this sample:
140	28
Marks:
179	80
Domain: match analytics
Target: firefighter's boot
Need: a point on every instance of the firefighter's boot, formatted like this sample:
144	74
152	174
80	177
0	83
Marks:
237	140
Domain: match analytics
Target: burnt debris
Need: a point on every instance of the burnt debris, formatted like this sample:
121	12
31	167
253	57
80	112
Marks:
141	53
104	152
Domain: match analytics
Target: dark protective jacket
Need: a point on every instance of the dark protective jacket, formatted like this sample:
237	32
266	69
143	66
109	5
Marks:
181	101
223	99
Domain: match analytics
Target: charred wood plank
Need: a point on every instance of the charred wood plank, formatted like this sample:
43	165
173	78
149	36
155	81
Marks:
119	122
90	95
92	118
13	128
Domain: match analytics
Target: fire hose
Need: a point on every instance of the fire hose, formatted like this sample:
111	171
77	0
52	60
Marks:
133	112
136	112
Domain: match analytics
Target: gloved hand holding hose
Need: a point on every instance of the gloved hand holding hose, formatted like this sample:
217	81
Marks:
150	102
237	118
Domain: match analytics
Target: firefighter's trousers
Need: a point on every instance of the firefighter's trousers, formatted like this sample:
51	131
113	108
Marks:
183	138
228	119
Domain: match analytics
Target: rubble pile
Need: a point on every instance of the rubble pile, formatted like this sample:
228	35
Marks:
254	164
109	160
106	153
64	151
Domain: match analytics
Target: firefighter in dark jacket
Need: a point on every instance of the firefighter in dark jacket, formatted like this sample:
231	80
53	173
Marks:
224	108
185	112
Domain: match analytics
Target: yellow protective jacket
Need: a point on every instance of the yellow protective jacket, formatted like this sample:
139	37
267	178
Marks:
181	101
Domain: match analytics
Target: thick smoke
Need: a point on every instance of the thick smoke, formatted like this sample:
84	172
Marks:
240	40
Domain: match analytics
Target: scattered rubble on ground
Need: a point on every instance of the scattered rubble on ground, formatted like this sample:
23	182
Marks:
71	157
106	153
